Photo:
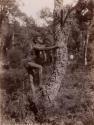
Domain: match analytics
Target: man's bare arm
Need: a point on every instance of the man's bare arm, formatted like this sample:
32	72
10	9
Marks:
46	48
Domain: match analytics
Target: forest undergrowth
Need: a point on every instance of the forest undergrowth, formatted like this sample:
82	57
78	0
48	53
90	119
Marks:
74	103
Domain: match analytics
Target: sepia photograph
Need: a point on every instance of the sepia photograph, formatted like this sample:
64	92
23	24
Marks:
46	62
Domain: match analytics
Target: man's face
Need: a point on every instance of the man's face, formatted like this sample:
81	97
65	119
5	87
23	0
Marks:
40	41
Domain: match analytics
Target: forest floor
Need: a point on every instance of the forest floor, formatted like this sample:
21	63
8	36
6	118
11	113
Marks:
75	101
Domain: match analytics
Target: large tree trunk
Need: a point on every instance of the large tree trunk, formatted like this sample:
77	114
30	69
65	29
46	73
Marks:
53	84
90	45
4	28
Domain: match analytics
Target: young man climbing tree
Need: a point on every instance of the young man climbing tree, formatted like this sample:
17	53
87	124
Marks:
31	64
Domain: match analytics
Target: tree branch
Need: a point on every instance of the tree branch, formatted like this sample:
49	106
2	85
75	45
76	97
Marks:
68	13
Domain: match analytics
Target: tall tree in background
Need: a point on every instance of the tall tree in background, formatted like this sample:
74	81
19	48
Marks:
8	12
84	14
5	9
90	45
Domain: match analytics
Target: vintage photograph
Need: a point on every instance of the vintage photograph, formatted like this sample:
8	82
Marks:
46	62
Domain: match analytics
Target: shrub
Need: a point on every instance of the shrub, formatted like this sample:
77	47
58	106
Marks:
15	56
13	79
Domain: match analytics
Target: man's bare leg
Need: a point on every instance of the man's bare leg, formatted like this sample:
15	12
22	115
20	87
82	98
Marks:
32	85
40	75
39	67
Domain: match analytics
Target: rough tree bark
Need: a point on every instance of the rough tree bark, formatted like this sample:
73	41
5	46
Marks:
53	84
